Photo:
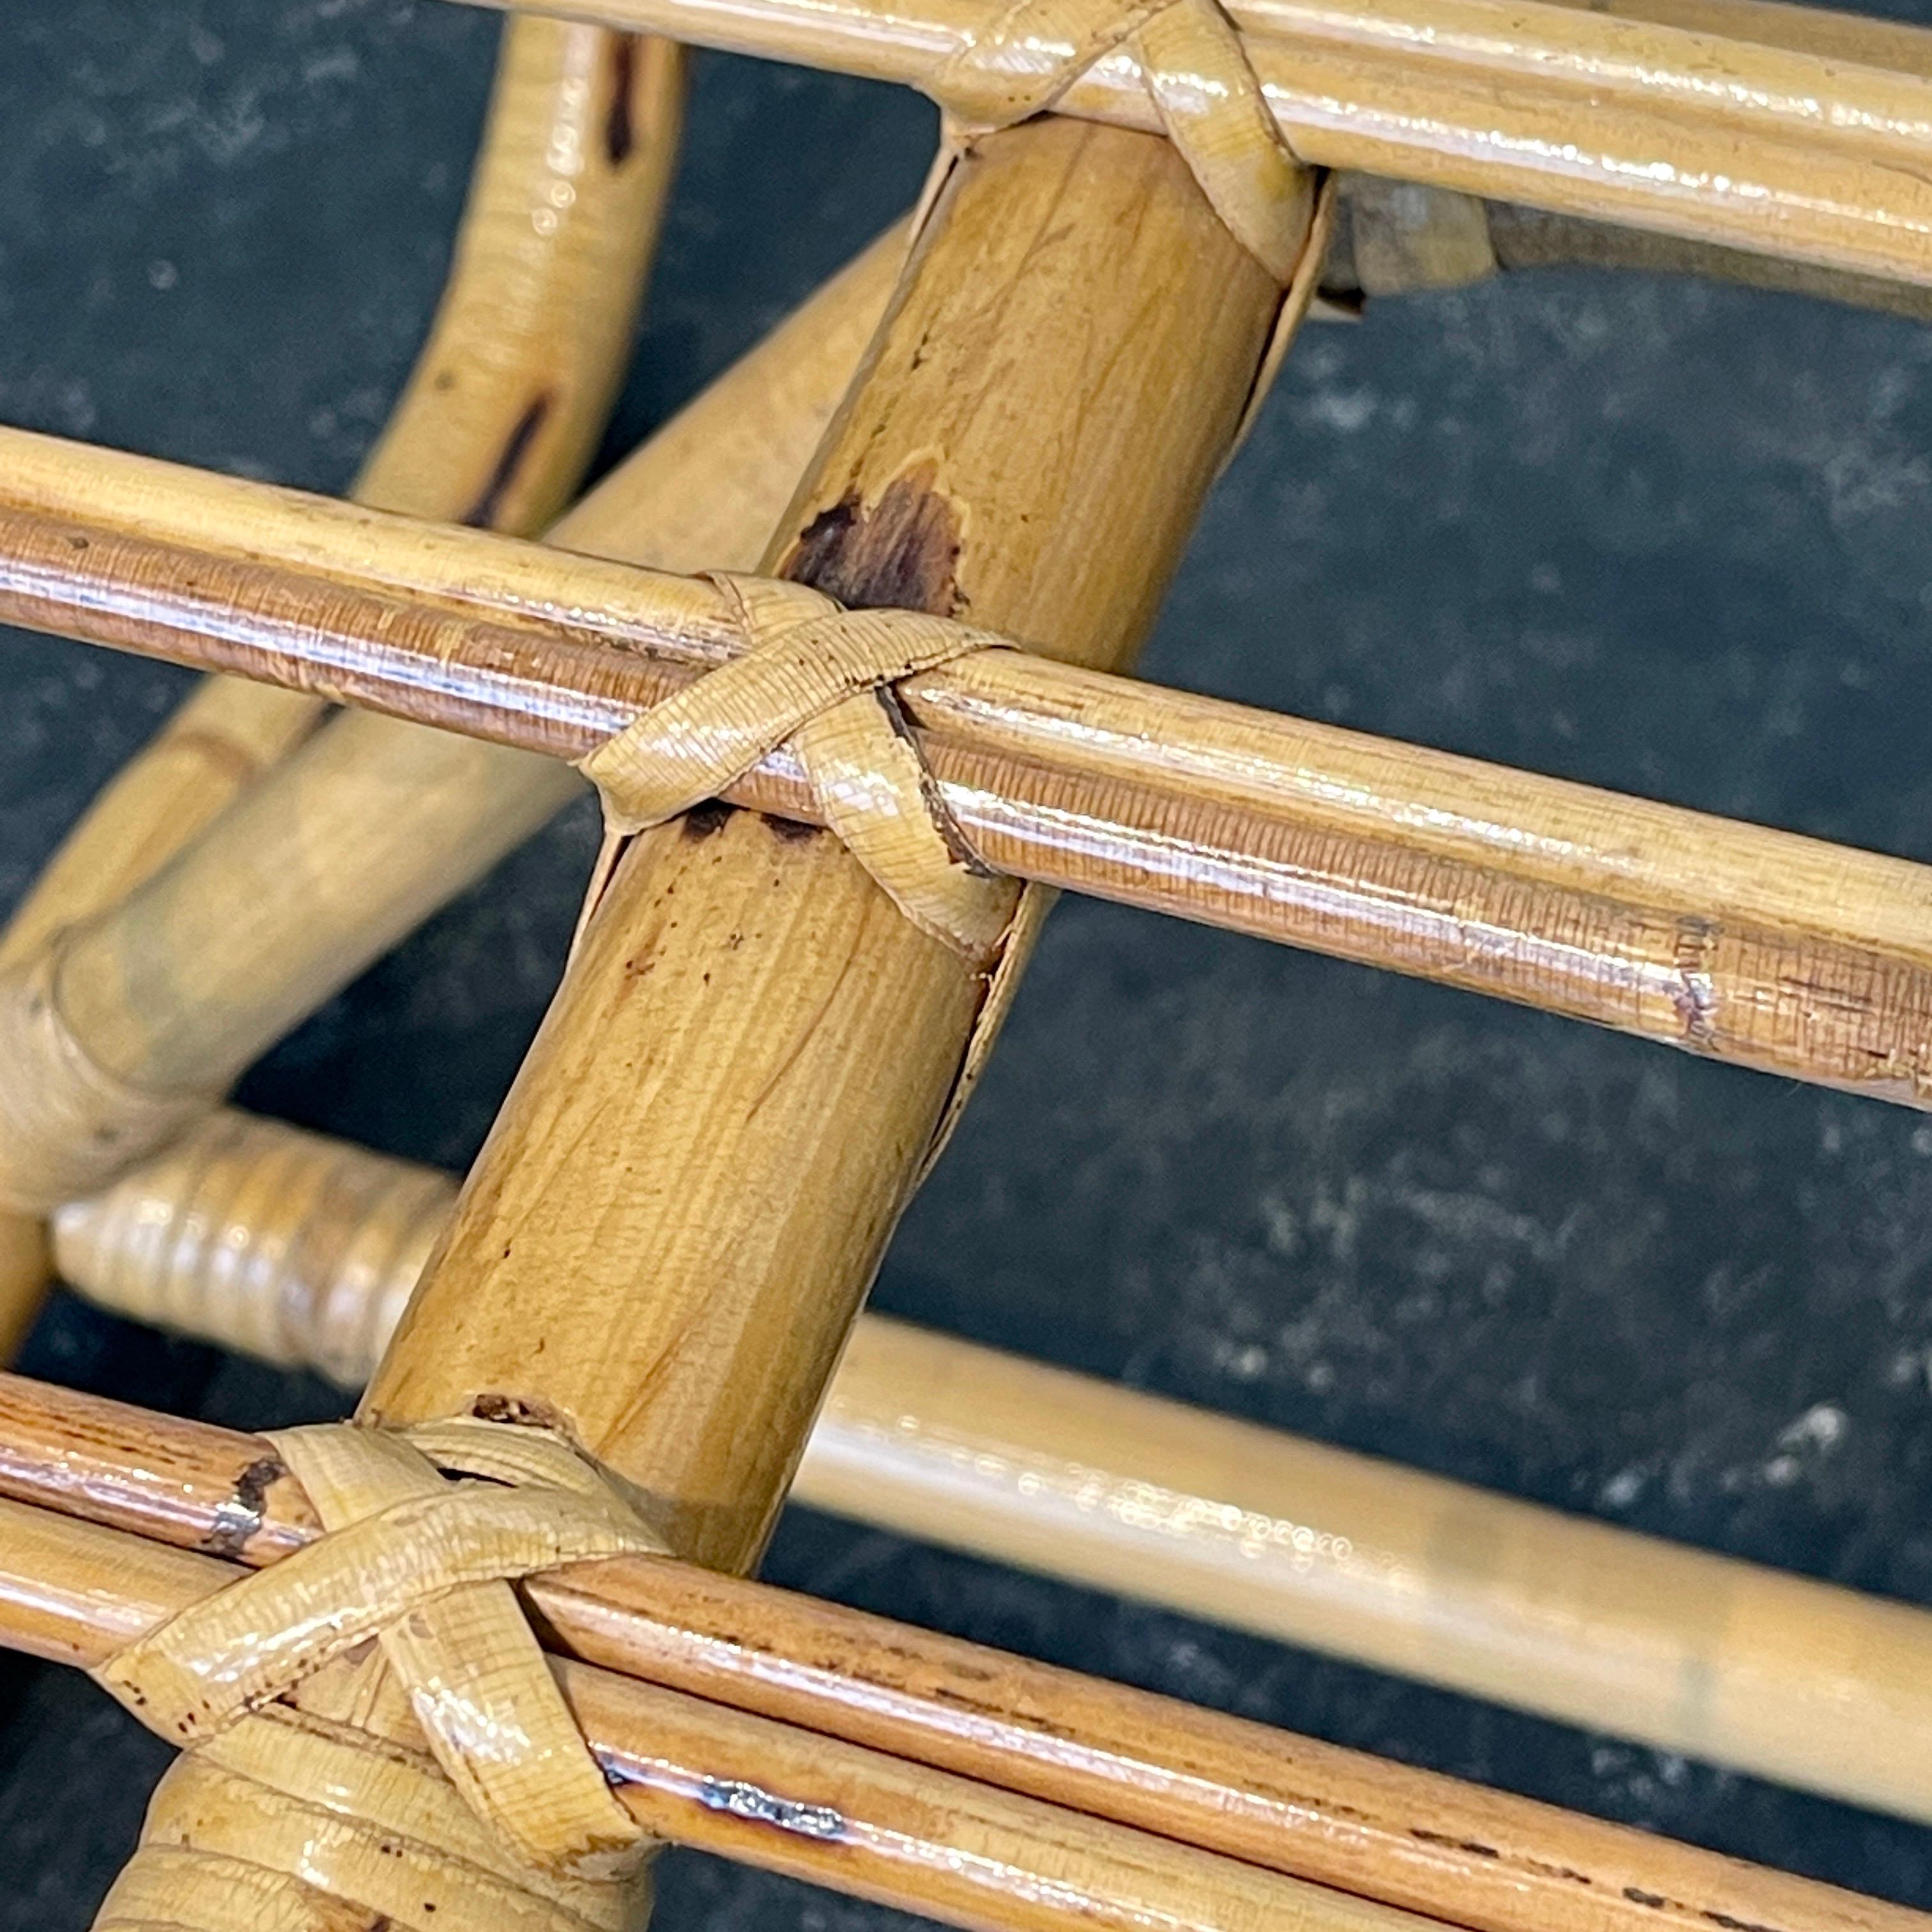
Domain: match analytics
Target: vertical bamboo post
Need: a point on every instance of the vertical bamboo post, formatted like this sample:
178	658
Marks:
667	1238
501	415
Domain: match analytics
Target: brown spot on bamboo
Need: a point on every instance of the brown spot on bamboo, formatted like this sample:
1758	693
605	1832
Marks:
483	514
900	553
239	1517
620	134
522	1410
793	831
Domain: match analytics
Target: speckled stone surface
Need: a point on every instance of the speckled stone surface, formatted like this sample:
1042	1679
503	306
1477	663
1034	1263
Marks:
1657	535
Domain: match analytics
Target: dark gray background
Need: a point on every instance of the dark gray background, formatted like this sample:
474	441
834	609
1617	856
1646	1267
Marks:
1658	535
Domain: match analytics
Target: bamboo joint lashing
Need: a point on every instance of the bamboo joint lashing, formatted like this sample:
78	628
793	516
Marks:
506	1819
1199	76
821	677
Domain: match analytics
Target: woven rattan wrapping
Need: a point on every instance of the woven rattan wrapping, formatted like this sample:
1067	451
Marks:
372	1721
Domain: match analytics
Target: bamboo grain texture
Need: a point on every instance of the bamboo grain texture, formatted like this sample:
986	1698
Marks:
1384	1832
1740	942
743	1069
304	1251
498	420
1737	124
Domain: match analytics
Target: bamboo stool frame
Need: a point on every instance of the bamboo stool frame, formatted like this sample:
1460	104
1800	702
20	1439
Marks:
1740	137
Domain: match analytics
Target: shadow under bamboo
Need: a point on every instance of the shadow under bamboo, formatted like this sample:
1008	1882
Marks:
495	427
696	1772
1740	942
1340	1818
1735	125
303	1250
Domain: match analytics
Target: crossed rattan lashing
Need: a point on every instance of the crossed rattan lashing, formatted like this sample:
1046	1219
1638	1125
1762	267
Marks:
869	610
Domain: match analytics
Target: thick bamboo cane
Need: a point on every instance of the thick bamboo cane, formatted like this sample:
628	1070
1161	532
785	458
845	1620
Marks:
257	1236
1745	944
663	1243
500	417
1743	125
1457	1853
691	1771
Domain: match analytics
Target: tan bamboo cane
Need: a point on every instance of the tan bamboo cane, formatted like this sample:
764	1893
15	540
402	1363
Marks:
1388	1832
500	415
299	1249
1403	238
698	1392
691	1771
1756	947
1737	125
664	1241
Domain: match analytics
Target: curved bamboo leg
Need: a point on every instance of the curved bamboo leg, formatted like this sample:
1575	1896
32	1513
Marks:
500	415
372	824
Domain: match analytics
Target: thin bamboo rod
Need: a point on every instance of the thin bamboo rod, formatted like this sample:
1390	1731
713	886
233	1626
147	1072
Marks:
500	415
258	1236
1385	1831
765	1793
1744	943
1730	125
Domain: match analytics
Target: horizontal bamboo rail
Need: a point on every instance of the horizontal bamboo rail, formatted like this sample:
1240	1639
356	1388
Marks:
1740	123
1742	944
260	1236
694	1772
945	1711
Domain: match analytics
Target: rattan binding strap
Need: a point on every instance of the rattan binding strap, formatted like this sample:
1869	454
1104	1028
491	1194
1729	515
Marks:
1197	73
370	1727
820	677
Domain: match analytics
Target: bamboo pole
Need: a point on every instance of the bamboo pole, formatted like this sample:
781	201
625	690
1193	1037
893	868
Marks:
664	1241
695	1772
500	417
355	838
1756	947
1383	1831
1731	125
292	1246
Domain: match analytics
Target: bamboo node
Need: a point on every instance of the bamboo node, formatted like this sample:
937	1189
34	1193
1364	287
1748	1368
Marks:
378	1705
1196	69
68	1126
820	677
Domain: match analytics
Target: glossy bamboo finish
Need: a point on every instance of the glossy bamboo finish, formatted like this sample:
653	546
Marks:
692	1772
287	1245
668	1235
1753	945
1457	1852
1727	125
